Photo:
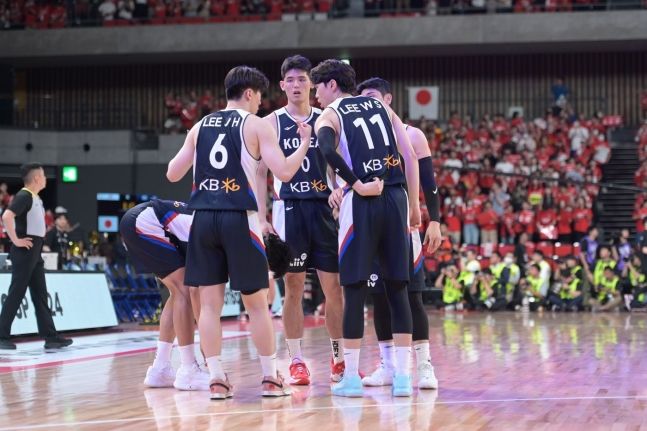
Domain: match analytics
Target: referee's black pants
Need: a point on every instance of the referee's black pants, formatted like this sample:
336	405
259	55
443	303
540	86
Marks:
27	270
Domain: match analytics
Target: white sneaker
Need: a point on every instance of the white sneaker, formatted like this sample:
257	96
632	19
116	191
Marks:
160	377
191	378
426	377
382	376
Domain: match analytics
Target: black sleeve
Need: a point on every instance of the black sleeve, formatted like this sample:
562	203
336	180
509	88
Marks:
50	238
21	203
429	188
326	140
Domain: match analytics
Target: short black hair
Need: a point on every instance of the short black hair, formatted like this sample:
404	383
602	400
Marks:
296	62
342	73
379	84
240	78
27	169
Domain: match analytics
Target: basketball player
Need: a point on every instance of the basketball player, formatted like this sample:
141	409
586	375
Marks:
302	217
380	89
225	240
364	131
156	235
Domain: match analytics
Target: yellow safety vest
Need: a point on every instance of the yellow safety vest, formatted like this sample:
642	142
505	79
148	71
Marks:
451	294
598	272
483	295
535	284
635	280
569	292
608	285
515	272
466	277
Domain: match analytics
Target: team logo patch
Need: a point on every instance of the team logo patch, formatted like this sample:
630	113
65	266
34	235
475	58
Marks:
374	277
303	256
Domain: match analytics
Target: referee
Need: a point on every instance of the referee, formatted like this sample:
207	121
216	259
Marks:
24	222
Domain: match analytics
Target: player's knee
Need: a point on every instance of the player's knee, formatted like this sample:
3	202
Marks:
401	321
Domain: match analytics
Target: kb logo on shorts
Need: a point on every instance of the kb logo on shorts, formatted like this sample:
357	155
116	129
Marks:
372	280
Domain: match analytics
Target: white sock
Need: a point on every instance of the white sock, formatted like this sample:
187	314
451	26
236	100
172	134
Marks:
187	355
215	368
163	354
294	349
422	353
268	364
387	354
402	360
351	358
337	350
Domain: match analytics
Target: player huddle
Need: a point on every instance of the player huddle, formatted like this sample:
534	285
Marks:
346	186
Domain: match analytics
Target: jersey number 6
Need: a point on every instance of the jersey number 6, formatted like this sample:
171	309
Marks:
220	149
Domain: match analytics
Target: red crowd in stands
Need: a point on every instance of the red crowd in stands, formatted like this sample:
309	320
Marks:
501	180
58	14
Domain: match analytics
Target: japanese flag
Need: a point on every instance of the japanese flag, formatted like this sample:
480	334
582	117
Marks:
423	102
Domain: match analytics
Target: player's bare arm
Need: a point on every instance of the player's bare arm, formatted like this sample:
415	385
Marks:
411	170
418	140
283	168
183	160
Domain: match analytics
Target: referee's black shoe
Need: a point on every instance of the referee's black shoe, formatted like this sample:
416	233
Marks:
57	342
6	344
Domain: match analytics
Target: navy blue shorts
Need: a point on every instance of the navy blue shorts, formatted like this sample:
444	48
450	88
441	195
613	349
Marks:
416	272
310	230
151	249
374	229
226	245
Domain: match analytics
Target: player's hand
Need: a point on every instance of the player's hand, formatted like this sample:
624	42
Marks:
372	188
266	227
335	198
305	132
414	216
24	242
335	213
433	238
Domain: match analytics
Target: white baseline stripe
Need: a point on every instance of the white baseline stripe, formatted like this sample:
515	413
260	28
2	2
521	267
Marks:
306	409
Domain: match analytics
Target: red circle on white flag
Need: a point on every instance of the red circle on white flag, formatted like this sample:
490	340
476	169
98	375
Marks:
423	97
107	223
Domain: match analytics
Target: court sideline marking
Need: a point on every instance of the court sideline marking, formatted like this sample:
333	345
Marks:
306	409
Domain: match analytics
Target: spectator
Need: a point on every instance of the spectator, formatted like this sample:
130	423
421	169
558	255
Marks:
603	262
140	13
531	289
570	295
507	226
125	9
589	246
636	283
470	228
560	96
545	270
579	135
622	249
582	219
488	223
606	293
107	9
499	198
451	287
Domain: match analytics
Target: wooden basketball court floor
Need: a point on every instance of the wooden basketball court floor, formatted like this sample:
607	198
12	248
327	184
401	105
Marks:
502	371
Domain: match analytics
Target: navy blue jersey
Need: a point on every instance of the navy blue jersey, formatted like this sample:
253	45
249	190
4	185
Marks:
174	216
224	173
367	141
311	180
